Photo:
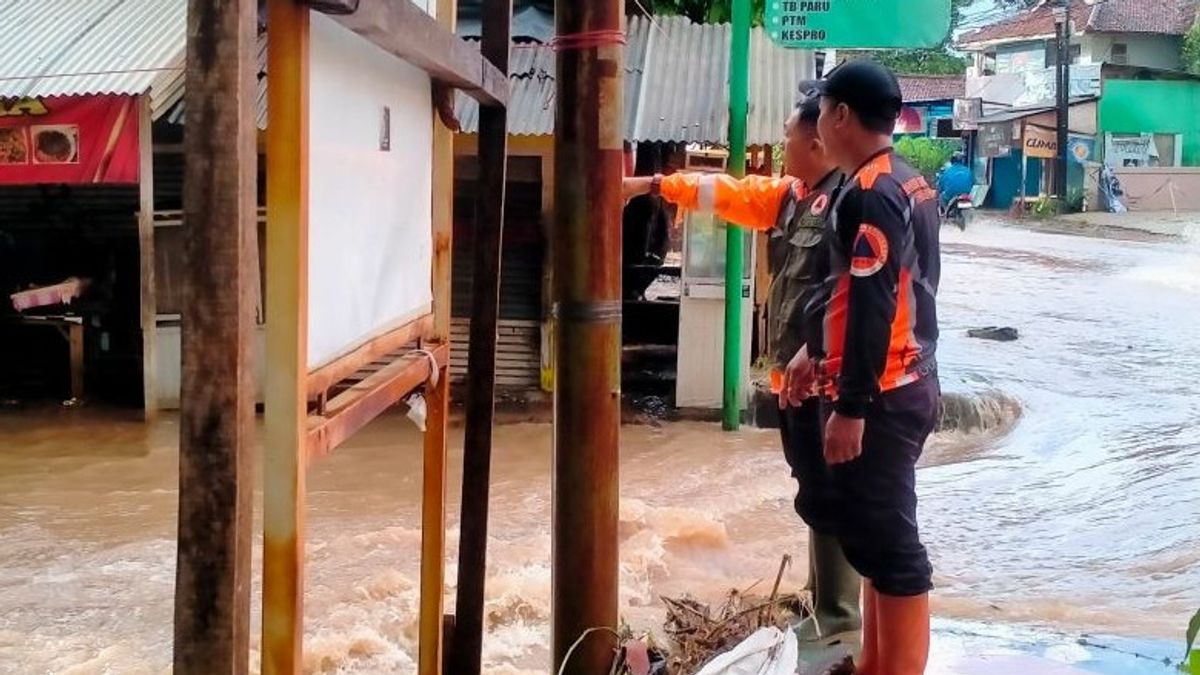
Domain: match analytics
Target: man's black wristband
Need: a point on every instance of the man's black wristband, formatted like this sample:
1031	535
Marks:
850	407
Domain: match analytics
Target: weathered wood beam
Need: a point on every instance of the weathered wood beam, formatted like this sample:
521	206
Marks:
432	642
404	30
148	299
353	409
481	352
320	380
216	467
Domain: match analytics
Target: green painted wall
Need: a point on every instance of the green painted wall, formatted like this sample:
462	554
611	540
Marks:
1148	106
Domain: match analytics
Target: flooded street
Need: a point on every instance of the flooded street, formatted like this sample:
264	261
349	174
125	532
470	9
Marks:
1082	518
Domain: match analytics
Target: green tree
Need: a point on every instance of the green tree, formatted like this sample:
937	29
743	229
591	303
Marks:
1191	50
921	61
706	11
927	155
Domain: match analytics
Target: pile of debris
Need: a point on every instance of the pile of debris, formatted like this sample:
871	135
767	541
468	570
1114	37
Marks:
700	633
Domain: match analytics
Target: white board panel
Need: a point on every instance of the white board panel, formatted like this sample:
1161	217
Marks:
370	244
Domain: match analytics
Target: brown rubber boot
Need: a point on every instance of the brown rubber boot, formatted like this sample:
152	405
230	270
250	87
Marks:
869	662
903	634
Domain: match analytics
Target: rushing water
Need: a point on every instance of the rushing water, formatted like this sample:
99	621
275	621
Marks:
1083	517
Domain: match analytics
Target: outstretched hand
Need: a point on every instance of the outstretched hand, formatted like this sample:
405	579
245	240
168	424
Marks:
635	186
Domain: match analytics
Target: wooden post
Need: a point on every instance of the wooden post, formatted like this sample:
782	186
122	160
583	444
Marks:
481	353
431	644
75	342
587	283
1024	167
216	481
287	339
149	298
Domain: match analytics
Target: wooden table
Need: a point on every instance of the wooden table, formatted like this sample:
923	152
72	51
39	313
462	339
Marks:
71	328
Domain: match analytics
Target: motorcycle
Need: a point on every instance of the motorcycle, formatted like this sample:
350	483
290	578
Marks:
959	211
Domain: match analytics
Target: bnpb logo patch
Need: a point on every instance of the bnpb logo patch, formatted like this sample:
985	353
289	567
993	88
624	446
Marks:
819	204
870	251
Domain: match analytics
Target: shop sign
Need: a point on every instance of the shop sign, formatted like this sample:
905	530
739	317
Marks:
1040	142
69	139
995	140
877	24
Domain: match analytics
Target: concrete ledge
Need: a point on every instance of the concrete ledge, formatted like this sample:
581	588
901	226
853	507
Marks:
1164	223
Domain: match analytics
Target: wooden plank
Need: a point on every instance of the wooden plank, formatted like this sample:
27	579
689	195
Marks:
401	28
287	339
431	649
75	339
485	305
216	464
148	296
353	409
321	379
169	218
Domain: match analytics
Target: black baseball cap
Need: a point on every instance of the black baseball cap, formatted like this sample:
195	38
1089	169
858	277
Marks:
808	103
866	87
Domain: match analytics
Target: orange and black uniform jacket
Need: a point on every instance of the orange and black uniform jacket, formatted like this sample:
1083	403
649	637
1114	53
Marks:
764	203
880	317
753	202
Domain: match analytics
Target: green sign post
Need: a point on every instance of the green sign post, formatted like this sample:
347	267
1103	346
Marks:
735	238
867	24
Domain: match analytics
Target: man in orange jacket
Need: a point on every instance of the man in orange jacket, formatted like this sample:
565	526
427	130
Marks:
792	209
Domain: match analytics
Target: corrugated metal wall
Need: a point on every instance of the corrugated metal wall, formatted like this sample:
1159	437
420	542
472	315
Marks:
519	346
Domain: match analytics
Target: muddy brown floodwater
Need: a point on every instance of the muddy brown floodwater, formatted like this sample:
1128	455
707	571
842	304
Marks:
1082	516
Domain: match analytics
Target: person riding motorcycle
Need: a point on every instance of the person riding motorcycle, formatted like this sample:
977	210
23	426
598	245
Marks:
955	181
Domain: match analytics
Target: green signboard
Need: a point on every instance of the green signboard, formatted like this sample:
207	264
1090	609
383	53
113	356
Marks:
866	24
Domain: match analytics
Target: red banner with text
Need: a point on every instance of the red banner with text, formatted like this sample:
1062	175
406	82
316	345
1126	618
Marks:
69	139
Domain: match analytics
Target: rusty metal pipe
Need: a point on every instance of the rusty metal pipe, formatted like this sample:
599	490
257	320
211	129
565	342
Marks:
587	300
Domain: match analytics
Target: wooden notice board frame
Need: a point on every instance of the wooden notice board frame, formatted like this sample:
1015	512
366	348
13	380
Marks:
309	413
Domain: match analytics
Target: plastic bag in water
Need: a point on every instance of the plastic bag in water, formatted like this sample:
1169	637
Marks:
416	410
768	651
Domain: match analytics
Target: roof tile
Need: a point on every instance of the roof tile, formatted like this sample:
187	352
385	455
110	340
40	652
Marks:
1157	17
917	88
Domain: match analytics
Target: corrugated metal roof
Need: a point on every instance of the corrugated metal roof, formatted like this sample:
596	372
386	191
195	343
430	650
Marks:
775	76
638	37
686	83
530	106
1014	114
676	84
532	20
172	93
79	47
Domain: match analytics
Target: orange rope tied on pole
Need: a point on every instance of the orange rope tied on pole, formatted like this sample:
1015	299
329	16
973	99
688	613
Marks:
587	40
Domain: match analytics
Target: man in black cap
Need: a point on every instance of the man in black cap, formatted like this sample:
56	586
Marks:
875	361
792	210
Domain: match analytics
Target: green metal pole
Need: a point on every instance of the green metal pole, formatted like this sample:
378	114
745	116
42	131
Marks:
739	101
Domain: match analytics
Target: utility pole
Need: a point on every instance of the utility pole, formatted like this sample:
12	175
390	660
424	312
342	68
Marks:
588	165
1062	30
735	237
216	417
